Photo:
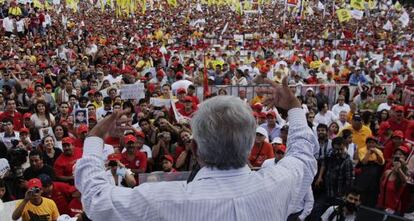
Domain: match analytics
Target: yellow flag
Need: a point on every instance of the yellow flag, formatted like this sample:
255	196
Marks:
172	3
358	4
144	6
238	7
398	6
344	15
372	4
247	5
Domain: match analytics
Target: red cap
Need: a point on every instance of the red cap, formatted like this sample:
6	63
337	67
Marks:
35	182
398	133
48	86
83	128
391	96
24	130
322	86
264	69
27	115
30	90
160	73
406	150
140	134
169	158
67	140
115	156
271	113
91	92
398	108
282	148
188	99
181	91
130	138
179	74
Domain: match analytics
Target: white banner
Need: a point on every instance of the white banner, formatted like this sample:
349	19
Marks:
132	91
357	14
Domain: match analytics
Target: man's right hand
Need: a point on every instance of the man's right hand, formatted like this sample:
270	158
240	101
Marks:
281	96
28	195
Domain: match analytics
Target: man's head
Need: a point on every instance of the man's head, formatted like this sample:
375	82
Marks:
371	142
34	187
279	148
167	163
8	125
10	105
356	122
339	146
397	137
342	116
398	112
322	131
36	160
67	146
64	108
352	200
223	129
130	142
341	99
271	118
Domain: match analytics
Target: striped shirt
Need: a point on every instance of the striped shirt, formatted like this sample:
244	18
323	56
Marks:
236	194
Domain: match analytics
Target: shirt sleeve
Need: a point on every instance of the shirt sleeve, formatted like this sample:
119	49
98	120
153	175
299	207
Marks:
100	199
302	145
308	205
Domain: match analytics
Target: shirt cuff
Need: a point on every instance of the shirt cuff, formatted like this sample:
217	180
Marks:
296	116
93	146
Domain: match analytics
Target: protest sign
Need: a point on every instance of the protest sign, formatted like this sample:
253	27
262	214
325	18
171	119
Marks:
344	15
159	102
358	4
132	91
357	14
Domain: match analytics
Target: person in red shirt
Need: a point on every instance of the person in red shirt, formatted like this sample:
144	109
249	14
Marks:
61	193
81	131
12	113
191	92
397	140
132	158
188	110
397	120
64	163
181	94
262	150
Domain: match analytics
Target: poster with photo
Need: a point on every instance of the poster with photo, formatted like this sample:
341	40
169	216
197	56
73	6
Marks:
80	116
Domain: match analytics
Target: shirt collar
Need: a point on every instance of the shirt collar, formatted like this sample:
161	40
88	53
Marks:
208	172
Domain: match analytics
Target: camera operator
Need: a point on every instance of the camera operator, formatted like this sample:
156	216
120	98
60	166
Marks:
347	210
34	206
118	174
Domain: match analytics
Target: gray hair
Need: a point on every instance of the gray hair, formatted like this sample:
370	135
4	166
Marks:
224	130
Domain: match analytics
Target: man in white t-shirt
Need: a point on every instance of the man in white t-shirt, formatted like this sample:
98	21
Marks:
8	25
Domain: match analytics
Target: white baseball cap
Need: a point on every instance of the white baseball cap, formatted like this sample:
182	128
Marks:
277	140
262	131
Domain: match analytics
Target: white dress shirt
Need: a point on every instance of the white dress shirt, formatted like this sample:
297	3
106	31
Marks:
235	194
326	118
336	109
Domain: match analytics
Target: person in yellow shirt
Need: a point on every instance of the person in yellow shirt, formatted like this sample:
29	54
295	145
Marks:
359	131
34	206
370	152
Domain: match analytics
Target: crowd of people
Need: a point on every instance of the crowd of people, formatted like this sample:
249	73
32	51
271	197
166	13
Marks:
62	70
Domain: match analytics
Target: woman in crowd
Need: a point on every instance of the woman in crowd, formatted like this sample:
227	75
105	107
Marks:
50	151
42	118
